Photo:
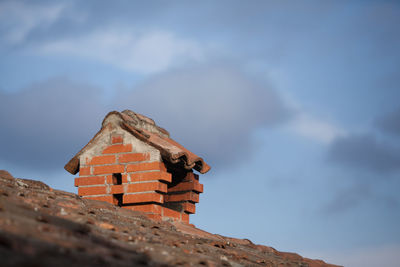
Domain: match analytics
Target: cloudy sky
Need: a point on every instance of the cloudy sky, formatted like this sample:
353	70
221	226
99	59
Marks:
295	105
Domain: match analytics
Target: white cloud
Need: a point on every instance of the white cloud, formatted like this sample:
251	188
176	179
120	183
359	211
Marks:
308	126
132	50
210	109
18	18
51	120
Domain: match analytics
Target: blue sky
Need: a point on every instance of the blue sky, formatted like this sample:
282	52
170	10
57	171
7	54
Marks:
295	105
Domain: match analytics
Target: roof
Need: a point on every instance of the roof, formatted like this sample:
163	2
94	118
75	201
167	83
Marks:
146	130
42	226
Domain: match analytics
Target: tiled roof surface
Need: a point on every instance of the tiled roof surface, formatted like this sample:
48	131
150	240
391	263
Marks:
41	226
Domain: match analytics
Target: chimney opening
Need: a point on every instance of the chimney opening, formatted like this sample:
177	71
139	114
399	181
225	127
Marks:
116	178
118	199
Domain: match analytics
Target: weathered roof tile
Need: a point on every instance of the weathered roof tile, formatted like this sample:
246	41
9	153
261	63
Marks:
146	130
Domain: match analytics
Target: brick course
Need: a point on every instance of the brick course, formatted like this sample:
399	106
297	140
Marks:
153	208
142	198
133	157
100	160
171	213
147	166
117	189
191	177
150	186
117	139
93	190
185	217
189	207
108	169
188	196
109	178
187	186
95	180
83	171
149	176
117	149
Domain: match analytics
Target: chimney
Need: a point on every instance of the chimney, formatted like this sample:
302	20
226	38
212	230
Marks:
133	163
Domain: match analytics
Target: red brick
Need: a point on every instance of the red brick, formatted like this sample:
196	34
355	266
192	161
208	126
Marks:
188	196
191	177
155	217
199	188
143	187
141	198
117	139
90	180
162	167
115	200
171	213
150	176
153	208
189	207
133	157
185	218
147	166
108	199
109	179
108	169
118	149
117	189
99	160
93	190
84	171
187	186
165	176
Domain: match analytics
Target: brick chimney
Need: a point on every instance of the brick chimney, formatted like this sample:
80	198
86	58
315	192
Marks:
133	163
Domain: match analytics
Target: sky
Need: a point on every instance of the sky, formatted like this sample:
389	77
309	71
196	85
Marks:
294	104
